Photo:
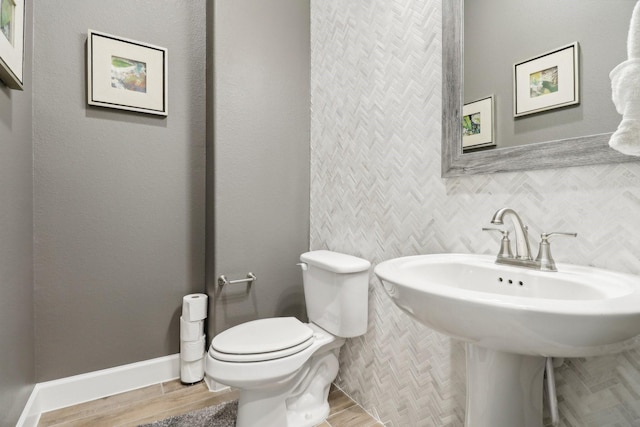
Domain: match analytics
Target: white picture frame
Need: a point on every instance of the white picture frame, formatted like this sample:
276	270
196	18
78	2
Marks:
548	81
12	15
126	74
478	127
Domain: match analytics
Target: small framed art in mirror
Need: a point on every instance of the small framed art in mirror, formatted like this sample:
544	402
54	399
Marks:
12	43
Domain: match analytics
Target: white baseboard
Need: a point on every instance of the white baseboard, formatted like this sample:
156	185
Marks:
69	391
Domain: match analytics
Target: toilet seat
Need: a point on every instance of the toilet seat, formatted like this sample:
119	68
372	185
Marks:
261	340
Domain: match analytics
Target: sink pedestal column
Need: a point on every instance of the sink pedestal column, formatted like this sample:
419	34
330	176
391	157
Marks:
503	389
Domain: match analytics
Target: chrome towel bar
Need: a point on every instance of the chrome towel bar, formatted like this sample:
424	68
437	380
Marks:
222	280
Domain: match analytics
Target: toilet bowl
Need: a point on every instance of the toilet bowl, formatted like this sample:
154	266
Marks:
282	367
273	389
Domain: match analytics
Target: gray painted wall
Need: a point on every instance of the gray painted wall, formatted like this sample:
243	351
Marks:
376	192
499	33
119	196
16	244
258	158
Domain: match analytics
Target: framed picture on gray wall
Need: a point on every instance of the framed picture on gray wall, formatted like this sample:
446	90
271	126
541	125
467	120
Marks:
12	43
126	74
478	125
548	81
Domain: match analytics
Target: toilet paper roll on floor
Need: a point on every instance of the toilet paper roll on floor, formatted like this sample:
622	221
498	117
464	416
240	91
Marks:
191	372
191	331
192	350
194	307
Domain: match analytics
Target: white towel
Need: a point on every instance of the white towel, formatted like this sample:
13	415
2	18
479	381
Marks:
625	88
633	39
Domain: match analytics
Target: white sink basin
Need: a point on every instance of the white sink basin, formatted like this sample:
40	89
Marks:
574	312
512	319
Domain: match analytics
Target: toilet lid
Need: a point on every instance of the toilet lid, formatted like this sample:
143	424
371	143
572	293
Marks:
263	339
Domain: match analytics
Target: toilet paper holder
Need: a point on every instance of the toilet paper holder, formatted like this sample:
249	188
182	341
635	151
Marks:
222	280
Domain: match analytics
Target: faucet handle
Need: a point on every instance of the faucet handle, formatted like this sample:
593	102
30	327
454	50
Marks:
500	230
546	236
544	257
505	243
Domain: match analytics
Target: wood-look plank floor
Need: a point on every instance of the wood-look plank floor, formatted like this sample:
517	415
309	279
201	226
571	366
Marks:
160	401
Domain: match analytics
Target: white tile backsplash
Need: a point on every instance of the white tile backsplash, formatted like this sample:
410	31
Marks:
376	192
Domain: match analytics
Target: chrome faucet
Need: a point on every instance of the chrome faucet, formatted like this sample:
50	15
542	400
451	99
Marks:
544	261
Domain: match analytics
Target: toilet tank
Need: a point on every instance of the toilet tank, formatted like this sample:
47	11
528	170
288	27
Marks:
336	289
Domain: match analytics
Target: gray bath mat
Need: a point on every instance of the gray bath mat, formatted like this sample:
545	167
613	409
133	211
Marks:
222	415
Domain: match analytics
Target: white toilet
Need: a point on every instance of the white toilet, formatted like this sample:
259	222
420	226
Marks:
283	367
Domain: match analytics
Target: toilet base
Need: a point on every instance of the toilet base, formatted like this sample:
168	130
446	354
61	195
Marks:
301	401
262	407
308	404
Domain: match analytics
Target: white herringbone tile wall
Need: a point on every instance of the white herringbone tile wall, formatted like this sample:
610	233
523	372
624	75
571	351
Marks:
376	192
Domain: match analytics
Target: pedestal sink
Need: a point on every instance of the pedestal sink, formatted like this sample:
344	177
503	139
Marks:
512	319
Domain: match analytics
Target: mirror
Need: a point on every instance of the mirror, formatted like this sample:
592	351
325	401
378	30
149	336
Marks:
574	151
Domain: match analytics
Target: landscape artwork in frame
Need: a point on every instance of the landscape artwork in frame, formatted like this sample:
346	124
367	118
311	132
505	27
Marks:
478	125
548	81
12	43
7	16
126	74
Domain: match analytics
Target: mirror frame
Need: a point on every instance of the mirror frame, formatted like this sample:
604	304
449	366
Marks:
580	151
